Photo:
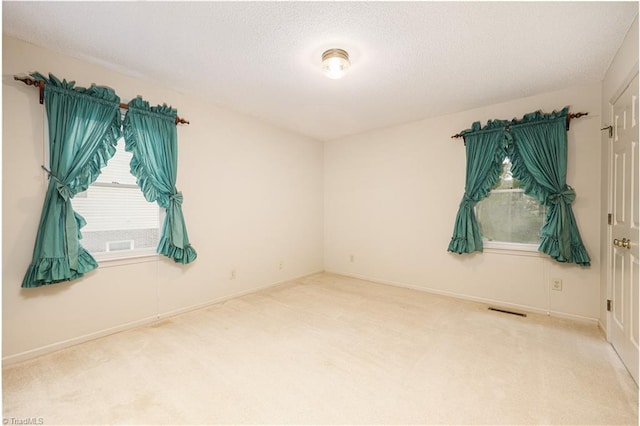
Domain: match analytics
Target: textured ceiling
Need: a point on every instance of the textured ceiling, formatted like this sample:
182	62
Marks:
410	60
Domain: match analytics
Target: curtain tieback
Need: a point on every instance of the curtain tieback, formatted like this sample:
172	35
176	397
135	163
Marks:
71	227
568	195
63	190
176	198
466	200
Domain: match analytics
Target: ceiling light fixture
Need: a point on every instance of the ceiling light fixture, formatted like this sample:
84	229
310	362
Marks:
335	63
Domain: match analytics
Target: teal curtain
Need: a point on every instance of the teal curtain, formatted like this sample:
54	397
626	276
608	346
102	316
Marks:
150	134
84	127
539	158
485	150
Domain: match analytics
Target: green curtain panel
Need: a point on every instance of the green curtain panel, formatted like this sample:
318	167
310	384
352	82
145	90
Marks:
84	127
485	151
150	134
539	158
537	147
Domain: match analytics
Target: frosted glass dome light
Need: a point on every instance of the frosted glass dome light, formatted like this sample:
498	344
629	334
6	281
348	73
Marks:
335	63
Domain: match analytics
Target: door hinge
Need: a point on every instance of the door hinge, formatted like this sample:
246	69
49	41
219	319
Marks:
608	305
609	219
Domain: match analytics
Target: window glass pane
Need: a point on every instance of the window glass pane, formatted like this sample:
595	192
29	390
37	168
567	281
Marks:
510	216
507	214
116	215
117	169
119	219
507	181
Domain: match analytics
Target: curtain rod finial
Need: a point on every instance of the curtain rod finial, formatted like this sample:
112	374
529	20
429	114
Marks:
578	114
32	82
26	80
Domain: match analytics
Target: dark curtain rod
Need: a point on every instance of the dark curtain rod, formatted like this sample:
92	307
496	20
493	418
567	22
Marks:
569	118
40	85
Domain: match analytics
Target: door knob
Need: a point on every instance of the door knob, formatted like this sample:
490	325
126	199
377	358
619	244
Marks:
622	243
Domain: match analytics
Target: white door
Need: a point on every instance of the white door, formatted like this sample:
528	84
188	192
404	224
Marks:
623	318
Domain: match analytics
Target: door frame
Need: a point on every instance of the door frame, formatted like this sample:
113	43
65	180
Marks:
609	248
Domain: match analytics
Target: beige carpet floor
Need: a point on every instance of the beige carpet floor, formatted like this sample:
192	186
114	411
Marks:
328	349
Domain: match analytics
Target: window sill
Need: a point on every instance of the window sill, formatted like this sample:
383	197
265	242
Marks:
121	259
515	249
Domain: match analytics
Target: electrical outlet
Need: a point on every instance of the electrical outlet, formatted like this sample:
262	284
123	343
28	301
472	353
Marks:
281	264
556	284
352	258
232	274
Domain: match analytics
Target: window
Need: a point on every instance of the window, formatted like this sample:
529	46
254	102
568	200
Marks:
508	218
120	222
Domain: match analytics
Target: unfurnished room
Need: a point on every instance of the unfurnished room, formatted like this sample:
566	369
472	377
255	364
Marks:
320	213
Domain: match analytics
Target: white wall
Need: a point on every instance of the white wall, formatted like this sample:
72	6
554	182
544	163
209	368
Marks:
391	197
253	197
620	73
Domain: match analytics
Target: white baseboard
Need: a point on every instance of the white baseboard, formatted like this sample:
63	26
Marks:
603	329
486	301
43	350
573	317
164	315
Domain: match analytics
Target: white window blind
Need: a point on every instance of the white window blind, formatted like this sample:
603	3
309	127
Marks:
120	222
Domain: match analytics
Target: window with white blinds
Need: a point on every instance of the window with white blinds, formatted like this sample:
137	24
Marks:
120	222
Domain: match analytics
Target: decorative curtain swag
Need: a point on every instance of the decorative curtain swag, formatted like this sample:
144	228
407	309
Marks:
537	147
150	134
84	128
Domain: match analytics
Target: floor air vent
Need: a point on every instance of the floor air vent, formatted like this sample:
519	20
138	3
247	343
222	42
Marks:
504	311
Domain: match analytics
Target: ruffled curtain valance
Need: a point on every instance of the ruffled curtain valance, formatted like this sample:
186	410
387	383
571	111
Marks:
537	147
